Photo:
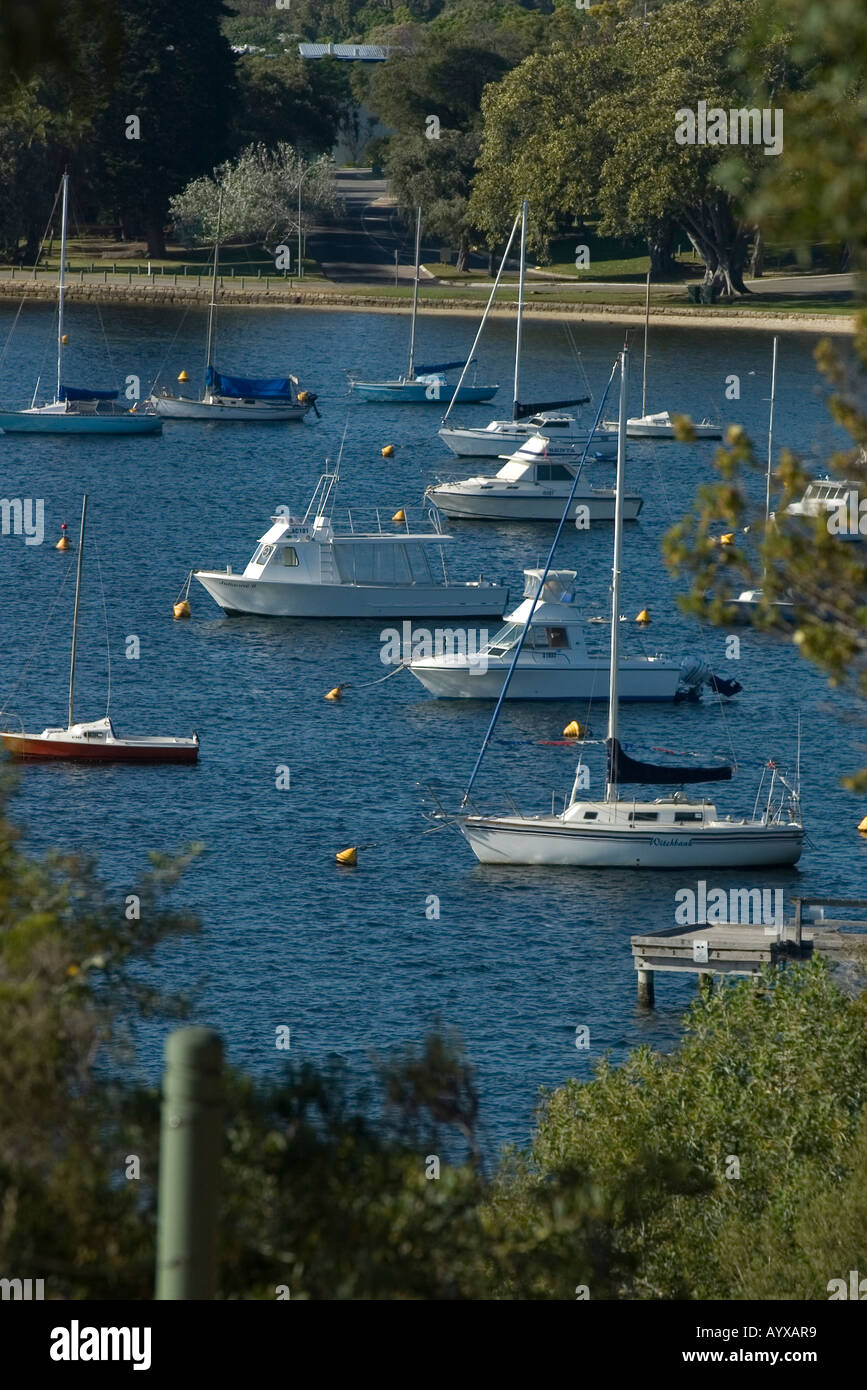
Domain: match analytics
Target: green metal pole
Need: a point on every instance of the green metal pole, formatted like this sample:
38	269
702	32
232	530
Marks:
190	1145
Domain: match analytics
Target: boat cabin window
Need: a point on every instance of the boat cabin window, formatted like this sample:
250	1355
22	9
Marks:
264	555
681	817
643	815
503	640
373	562
557	636
590	815
552	473
289	555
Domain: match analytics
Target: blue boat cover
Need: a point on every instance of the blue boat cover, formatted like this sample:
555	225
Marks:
254	388
439	367
83	393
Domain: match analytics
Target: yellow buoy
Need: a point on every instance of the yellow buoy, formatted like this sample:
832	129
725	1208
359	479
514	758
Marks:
862	826
63	543
574	730
347	856
181	609
400	515
643	617
387	451
728	538
335	694
182	376
65	339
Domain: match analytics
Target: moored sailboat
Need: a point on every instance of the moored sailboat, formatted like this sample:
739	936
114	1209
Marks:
618	831
75	409
96	740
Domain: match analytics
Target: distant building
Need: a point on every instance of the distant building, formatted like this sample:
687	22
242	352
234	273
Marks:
352	52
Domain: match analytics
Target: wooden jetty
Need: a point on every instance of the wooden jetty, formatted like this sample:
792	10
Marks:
732	948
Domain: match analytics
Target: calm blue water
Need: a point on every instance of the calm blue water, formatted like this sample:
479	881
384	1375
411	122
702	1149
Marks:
348	958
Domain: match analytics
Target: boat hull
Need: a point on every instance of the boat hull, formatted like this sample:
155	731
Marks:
659	681
636	430
235	594
117	751
181	408
419	393
23	422
547	841
515	505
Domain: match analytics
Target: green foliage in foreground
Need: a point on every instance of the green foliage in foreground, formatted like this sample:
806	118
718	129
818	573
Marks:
624	1190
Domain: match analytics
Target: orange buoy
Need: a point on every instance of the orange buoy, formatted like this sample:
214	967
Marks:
65	339
728	538
347	856
182	376
336	693
862	826
400	515
387	451
182	609
574	730
63	543
643	617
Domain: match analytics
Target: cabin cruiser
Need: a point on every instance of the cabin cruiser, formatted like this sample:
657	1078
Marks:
554	662
531	486
565	434
661	426
307	568
836	499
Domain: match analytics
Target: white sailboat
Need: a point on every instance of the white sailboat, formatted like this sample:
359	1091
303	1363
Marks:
554	662
309	567
76	409
425	384
530	486
749	601
499	437
234	398
96	740
671	832
660	425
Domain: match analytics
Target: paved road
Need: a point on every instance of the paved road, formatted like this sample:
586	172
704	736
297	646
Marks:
361	249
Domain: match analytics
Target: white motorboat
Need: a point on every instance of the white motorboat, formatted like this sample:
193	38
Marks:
262	400
501	436
76	409
96	740
618	831
566	437
835	499
554	662
309	568
531	486
661	426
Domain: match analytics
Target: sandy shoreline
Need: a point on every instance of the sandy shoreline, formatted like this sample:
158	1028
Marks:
169	295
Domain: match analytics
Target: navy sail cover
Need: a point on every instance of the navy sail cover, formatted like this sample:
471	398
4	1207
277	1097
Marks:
524	408
274	388
622	768
83	393
440	367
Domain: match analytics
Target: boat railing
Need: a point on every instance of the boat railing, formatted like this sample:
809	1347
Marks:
17	719
367	521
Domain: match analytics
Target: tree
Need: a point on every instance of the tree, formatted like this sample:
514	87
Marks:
166	119
591	128
284	100
260	197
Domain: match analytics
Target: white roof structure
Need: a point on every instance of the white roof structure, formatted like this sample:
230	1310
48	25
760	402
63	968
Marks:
358	52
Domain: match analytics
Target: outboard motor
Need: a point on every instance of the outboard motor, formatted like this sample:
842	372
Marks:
695	673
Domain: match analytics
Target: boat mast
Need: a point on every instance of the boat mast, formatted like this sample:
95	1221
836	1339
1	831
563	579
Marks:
212	307
410	375
646	327
516	397
614	670
61	284
75	610
771	432
481	328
